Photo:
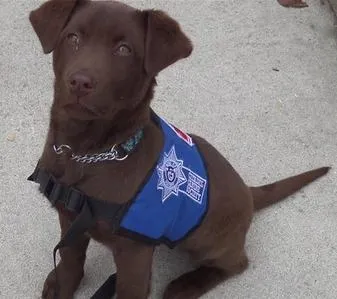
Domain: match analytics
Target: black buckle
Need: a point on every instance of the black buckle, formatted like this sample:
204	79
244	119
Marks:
56	193
47	185
74	201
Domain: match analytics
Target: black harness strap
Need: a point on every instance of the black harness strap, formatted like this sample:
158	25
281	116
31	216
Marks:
107	290
87	210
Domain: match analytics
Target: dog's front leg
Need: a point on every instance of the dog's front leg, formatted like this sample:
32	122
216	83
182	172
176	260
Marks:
70	268
134	262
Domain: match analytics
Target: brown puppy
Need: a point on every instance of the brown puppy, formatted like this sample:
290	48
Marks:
106	56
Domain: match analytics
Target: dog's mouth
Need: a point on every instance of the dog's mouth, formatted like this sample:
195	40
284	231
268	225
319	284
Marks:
81	110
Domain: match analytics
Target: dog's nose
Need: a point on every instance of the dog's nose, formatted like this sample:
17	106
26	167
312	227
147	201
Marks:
81	84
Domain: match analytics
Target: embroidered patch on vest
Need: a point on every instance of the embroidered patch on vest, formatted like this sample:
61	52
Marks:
174	177
173	200
181	134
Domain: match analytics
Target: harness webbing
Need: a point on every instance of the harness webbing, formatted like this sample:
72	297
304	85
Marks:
87	209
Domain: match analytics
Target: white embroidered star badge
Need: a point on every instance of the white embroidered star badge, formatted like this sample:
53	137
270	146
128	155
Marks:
171	174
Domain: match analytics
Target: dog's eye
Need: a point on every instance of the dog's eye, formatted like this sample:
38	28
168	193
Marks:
74	40
123	50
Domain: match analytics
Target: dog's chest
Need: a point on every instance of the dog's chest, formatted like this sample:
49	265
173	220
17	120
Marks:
110	181
164	193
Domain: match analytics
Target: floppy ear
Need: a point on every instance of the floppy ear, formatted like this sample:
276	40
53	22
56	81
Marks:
49	20
165	42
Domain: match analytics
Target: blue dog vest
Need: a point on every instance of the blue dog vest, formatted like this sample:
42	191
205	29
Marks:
174	199
170	205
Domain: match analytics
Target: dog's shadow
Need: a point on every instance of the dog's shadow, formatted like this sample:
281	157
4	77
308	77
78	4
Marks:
168	264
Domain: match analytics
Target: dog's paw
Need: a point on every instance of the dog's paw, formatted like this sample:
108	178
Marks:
65	287
293	3
50	286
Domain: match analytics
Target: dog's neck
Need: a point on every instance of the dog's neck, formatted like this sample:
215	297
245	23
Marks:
87	136
84	136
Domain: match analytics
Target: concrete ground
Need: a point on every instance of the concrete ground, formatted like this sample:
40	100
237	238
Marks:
333	4
260	85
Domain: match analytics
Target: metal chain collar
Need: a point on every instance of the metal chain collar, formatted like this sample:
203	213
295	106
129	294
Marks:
109	155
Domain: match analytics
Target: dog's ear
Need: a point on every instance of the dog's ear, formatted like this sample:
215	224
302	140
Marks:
49	20
165	42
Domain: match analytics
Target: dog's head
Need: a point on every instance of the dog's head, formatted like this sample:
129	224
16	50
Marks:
105	53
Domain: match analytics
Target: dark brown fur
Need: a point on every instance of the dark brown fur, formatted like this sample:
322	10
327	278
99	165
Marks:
102	96
293	3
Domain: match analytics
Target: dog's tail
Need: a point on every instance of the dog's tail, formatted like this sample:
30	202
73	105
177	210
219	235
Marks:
267	195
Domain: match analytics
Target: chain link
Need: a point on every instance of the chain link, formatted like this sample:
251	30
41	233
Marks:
109	155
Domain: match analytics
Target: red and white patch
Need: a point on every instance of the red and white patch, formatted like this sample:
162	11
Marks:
181	134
